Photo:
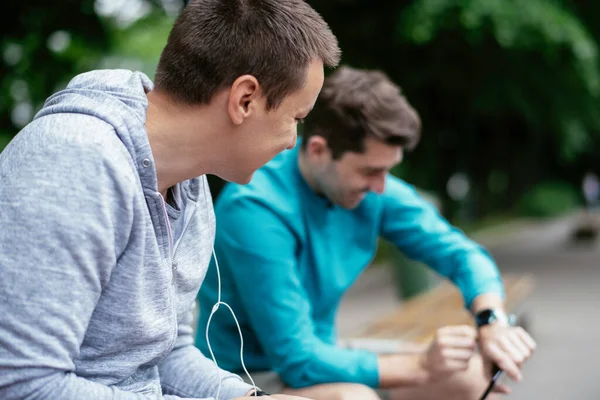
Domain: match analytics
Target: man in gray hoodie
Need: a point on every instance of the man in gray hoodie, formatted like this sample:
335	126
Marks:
107	223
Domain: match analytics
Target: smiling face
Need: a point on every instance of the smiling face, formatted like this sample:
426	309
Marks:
346	181
260	133
357	132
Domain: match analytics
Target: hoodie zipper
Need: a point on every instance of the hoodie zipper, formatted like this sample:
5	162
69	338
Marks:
173	247
169	231
173	253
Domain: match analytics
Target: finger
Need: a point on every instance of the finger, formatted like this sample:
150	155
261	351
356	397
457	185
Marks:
459	342
457	354
504	362
453	365
501	388
511	350
488	369
517	341
526	337
459	330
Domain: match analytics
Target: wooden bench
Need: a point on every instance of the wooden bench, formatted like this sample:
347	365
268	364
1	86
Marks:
418	319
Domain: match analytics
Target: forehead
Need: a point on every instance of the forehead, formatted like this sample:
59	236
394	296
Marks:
304	98
377	154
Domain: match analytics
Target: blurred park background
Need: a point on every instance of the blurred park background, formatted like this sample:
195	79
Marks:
508	92
507	89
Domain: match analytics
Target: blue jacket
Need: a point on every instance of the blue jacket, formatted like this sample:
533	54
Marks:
287	257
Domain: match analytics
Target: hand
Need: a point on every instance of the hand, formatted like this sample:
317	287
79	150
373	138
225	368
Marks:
272	397
450	351
505	346
250	396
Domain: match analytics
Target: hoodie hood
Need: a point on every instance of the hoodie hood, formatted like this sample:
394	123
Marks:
99	279
117	97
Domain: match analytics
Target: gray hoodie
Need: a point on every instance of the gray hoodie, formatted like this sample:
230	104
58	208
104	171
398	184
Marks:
98	275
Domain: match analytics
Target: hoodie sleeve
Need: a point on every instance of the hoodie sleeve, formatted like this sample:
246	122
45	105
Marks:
55	259
186	372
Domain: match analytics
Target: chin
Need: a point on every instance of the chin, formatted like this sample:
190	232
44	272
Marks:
352	202
244	180
240	179
350	206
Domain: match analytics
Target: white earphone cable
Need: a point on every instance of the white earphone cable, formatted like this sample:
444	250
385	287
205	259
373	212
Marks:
214	310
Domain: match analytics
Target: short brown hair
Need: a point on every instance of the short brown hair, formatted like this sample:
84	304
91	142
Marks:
213	42
354	104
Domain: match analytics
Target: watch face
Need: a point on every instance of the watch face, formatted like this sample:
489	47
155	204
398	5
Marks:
485	317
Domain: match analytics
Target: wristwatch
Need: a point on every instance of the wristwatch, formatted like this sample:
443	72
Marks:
493	315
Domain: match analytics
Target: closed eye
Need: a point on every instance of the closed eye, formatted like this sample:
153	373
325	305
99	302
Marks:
374	172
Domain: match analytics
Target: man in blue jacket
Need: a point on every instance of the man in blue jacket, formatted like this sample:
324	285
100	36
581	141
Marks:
295	239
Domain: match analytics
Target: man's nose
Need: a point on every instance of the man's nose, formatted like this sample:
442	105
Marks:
378	184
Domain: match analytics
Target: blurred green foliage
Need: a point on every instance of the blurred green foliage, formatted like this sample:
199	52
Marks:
507	89
564	60
30	70
549	199
45	43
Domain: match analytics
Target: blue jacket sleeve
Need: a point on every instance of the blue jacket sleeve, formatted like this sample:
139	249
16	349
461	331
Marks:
260	249
419	231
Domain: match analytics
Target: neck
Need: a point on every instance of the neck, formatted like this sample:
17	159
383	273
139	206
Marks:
183	139
306	171
309	174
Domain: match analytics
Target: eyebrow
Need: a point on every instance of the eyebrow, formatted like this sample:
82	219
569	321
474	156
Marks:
373	169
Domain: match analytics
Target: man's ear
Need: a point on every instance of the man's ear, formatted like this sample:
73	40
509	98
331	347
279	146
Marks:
245	97
317	146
